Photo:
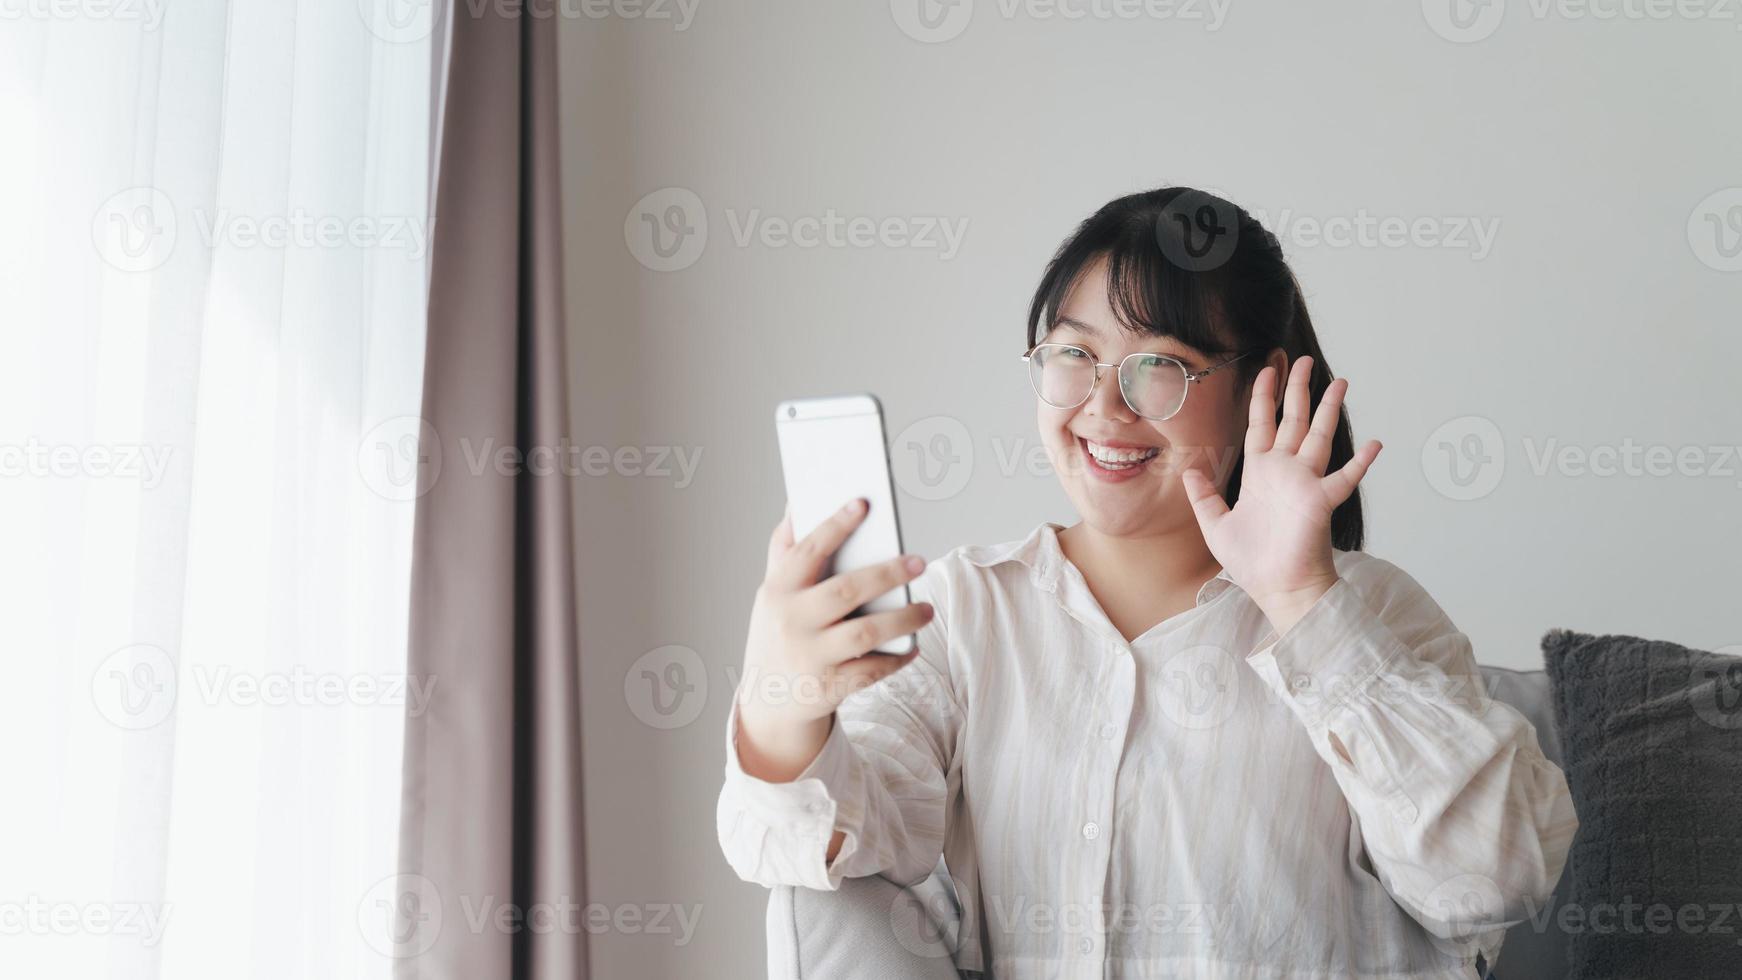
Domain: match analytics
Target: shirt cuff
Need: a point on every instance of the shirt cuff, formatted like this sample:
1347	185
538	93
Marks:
1330	656
803	809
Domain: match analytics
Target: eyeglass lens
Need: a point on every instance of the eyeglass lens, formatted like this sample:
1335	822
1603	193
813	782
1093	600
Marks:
1154	386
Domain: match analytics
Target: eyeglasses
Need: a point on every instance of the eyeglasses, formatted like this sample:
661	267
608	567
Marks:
1154	385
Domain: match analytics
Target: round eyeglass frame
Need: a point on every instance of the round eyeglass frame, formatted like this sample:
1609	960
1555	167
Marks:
1119	370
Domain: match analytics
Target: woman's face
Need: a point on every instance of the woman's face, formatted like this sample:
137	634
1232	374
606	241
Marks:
1206	433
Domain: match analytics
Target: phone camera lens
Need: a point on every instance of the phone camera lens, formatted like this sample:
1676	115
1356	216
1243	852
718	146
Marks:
791	411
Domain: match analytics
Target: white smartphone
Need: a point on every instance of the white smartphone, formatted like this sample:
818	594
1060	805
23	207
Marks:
832	450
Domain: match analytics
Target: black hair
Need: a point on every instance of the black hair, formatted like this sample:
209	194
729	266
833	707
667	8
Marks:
1186	264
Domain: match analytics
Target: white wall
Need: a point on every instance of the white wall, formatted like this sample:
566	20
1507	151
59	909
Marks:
1592	320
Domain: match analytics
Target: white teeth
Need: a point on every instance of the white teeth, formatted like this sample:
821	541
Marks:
1119	458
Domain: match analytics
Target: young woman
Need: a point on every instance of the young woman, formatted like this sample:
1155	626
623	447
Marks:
1199	733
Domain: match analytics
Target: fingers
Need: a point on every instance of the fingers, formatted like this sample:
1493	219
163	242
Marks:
1296	401
829	600
1261	414
871	668
1315	449
780	542
1339	485
804	561
860	635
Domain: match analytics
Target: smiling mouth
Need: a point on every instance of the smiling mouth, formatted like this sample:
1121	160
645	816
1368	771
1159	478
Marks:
1117	459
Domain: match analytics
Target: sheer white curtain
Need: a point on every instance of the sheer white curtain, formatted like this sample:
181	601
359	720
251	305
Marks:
213	219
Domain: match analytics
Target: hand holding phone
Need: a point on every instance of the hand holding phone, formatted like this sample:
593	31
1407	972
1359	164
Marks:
811	632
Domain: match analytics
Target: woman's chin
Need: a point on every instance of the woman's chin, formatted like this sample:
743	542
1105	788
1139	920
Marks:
1119	517
1131	506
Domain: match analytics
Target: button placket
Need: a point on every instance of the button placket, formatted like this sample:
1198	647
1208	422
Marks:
1106	755
1122	663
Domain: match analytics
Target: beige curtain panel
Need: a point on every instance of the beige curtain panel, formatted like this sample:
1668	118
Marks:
492	813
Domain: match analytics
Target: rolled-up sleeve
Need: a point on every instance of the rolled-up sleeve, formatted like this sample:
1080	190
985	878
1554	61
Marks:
885	777
1466	823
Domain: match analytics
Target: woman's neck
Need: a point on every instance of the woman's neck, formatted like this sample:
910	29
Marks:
1140	580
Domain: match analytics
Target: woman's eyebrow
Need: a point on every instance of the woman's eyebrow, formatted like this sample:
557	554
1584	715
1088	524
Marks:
1172	347
1088	328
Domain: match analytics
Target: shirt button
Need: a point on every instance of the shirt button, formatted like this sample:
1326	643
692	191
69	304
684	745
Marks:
818	808
1091	830
1108	730
1086	944
1302	682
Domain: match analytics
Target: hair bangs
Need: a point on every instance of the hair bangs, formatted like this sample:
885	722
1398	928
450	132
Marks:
1149	294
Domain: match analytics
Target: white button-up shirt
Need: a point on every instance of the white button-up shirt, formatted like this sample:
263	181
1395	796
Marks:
1206	800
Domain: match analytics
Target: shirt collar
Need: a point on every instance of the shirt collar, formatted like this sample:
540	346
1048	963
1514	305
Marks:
1046	562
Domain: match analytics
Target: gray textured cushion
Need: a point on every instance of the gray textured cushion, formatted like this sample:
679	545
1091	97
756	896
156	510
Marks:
873	928
1652	735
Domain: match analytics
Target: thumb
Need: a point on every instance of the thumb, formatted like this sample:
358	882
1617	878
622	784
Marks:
867	669
1207	503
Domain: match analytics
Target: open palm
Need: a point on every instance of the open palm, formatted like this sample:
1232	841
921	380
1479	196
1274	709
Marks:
1275	542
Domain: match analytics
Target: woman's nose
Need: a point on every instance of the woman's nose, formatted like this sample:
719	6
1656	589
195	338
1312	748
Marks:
1106	401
